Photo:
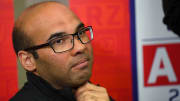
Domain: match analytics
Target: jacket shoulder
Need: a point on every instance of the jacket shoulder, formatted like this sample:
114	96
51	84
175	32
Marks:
27	93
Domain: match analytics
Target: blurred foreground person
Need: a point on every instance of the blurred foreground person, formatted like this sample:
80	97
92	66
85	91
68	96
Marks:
172	15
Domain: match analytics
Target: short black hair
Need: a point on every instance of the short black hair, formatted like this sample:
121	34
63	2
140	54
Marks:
21	41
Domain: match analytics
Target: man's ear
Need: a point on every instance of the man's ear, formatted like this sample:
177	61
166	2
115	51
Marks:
27	61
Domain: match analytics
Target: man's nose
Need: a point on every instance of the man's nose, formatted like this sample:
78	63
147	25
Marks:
78	47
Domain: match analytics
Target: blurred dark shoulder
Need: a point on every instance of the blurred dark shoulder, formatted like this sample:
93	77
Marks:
172	15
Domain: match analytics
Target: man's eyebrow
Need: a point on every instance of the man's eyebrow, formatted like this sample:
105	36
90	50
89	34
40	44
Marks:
59	34
79	26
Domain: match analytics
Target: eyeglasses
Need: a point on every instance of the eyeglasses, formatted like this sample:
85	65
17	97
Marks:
66	42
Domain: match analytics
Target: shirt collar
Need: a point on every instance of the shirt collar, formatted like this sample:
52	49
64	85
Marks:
47	89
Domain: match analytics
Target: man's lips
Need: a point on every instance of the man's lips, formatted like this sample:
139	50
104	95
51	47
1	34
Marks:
81	64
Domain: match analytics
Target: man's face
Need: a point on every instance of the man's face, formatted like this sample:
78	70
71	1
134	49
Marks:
71	68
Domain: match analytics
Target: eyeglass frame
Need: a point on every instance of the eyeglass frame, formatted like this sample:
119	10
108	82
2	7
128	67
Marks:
36	47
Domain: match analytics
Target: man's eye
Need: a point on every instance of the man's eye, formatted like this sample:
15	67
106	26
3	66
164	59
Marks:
59	41
82	32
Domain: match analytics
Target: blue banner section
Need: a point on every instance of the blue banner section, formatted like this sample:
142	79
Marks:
133	51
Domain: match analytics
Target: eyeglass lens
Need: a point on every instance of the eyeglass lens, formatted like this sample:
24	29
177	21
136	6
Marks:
65	43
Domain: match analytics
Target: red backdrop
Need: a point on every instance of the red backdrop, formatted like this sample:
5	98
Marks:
111	23
8	70
112	65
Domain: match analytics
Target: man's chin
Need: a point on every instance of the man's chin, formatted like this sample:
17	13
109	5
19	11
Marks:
78	83
80	80
75	86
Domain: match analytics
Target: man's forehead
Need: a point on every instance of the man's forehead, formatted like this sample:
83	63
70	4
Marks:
46	12
41	9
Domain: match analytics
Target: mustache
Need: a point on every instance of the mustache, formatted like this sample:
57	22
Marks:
79	59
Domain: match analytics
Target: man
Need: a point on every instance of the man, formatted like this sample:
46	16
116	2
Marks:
54	47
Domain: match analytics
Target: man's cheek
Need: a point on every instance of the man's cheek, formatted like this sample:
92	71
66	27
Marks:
90	49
